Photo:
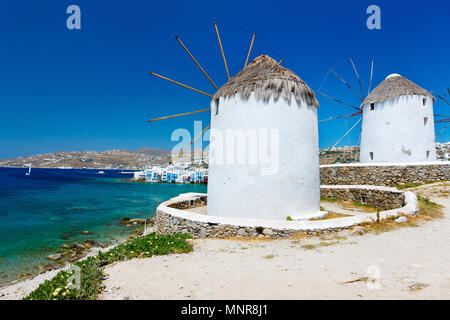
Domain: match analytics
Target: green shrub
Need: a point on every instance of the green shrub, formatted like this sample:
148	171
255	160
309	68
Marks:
60	288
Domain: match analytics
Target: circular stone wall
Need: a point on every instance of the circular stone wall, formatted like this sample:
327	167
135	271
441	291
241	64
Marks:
171	218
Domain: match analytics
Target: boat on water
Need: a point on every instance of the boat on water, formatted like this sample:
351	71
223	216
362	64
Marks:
29	170
101	172
64	168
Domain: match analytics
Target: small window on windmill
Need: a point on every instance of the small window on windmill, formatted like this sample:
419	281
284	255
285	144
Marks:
428	154
371	155
425	121
424	101
363	199
372	106
191	203
217	107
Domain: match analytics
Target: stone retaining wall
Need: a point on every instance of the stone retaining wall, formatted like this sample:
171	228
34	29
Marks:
381	199
169	219
383	174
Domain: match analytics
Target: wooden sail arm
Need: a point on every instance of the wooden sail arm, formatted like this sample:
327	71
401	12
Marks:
221	49
179	115
334	99
354	114
345	82
279	62
250	50
442	98
195	61
442	130
359	80
370	82
339	117
180	84
347	132
179	153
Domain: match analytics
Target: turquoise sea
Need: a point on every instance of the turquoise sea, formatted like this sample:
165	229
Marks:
52	207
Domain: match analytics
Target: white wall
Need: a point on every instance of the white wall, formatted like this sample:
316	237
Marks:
395	131
240	190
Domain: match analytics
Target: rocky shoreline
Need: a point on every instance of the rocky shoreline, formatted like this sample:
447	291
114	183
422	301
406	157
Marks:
70	253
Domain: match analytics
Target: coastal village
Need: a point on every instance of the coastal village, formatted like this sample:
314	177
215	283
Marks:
172	174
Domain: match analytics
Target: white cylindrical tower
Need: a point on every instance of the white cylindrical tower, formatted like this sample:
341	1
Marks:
398	123
264	161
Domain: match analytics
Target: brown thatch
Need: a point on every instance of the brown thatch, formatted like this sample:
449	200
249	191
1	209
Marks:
265	77
393	87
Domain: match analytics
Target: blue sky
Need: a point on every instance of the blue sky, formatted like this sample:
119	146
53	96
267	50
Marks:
89	89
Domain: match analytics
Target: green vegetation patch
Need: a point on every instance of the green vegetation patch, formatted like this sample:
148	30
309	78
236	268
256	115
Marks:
309	246
413	185
63	285
327	199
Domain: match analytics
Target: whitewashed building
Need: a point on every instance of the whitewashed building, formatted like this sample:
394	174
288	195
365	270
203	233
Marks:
398	123
263	110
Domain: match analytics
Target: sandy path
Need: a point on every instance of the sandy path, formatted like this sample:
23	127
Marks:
225	269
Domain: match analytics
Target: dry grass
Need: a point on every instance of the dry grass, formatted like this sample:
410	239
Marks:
244	239
442	190
417	286
428	210
349	205
333	215
327	244
359	206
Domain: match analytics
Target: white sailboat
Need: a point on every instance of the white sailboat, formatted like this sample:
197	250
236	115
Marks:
29	170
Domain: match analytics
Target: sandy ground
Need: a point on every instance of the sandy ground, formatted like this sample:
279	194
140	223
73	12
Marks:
407	263
338	207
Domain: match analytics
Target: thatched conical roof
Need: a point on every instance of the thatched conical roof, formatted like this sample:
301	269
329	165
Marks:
265	77
393	87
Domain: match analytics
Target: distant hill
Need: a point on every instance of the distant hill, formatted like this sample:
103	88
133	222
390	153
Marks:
111	159
141	158
153	152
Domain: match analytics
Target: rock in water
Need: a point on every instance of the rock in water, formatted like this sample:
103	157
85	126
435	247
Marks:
53	257
92	243
78	247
